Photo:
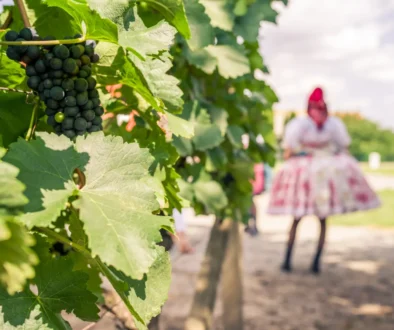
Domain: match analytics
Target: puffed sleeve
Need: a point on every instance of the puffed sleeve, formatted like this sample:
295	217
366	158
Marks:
292	136
180	225
341	135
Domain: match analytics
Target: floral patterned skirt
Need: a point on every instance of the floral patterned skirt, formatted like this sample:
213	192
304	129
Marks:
321	186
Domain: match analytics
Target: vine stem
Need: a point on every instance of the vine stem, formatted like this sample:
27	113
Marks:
22	10
43	42
30	131
7	21
14	90
116	282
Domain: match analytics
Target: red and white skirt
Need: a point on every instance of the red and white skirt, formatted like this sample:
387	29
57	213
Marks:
321	186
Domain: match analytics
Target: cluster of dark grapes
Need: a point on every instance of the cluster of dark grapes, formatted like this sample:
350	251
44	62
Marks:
61	76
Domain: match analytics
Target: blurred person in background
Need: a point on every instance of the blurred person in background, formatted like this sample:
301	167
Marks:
181	239
319	177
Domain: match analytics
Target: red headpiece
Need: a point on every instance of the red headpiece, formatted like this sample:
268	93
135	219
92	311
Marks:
317	108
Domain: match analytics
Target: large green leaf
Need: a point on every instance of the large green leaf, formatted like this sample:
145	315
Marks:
220	12
202	33
97	28
248	26
161	84
149	294
15	116
46	167
59	289
144	40
174	12
116	204
179	126
230	60
11	73
16	257
118	197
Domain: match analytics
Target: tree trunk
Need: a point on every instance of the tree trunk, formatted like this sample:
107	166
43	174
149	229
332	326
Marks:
201	314
232	292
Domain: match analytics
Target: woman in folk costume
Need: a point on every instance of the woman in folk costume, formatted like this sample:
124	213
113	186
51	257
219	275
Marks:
319	176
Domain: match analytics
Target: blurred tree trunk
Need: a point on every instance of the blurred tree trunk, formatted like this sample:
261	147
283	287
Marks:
201	314
231	289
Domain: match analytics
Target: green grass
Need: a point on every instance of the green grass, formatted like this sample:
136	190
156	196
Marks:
381	217
386	169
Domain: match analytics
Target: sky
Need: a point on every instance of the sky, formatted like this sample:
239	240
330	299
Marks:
345	46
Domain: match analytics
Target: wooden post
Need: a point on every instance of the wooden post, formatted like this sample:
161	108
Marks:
201	314
232	288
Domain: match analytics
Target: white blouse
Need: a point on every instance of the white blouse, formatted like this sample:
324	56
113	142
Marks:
302	135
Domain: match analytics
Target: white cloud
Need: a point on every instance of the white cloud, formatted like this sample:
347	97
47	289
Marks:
336	44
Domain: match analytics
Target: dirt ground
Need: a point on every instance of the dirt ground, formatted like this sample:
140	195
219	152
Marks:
354	292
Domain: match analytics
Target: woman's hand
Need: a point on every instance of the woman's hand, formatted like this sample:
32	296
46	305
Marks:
287	154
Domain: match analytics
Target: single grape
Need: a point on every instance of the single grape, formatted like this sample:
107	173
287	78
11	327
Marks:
26	34
57	82
40	66
69	133
81	85
21	49
52	104
72	92
11	35
89	51
68	85
56	63
89	115
83	74
70	101
69	65
57	93
82	98
33	82
91	83
93	94
97	120
50	112
61	52
99	111
59	117
33	52
13	54
71	111
88	105
96	102
94	128
51	120
68	123
80	124
95	58
58	74
30	71
26	59
85	59
48	83
77	51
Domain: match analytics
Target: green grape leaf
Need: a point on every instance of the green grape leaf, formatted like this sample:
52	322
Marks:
202	33
58	288
234	134
230	60
117	196
149	294
220	12
46	167
144	40
161	84
207	135
248	25
14	116
179	126
183	146
174	12
211	194
16	258
12	74
97	28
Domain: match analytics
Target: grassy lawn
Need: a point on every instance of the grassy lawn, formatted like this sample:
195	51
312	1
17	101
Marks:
382	217
385	169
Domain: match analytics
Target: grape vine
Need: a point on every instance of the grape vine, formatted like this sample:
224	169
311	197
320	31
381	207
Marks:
82	196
